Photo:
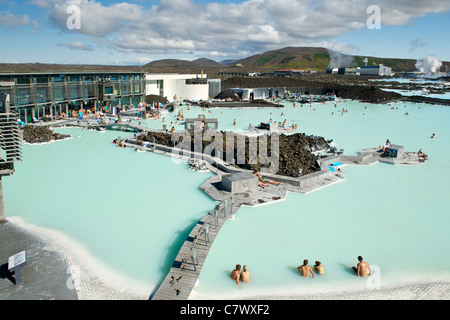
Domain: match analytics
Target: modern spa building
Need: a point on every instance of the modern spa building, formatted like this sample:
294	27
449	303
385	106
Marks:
37	94
41	93
178	87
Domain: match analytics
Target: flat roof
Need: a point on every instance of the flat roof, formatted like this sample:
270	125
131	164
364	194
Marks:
239	176
69	72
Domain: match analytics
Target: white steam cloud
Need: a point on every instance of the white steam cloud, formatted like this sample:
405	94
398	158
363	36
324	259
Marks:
428	65
338	60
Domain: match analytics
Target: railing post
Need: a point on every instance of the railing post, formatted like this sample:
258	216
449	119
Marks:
207	233
225	208
194	258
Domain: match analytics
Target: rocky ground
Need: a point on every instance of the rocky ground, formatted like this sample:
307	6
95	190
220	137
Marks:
33	134
152	98
295	151
344	86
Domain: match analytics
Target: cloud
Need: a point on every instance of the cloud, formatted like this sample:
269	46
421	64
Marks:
249	26
74	45
97	20
416	43
12	21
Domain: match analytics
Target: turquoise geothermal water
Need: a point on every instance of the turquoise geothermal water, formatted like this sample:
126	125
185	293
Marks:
133	210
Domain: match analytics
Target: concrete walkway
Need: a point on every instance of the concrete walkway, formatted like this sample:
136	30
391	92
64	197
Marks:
53	272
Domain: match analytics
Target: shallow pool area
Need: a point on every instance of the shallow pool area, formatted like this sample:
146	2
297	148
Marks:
128	209
133	210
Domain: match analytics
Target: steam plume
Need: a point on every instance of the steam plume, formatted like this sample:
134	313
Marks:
429	65
338	60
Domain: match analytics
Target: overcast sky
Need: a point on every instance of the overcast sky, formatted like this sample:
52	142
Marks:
139	31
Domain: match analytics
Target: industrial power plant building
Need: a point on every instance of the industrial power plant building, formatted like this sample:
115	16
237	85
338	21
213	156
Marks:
375	70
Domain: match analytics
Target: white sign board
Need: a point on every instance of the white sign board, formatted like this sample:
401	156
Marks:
17	260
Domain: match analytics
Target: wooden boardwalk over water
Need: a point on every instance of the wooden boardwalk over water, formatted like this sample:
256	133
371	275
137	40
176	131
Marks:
188	264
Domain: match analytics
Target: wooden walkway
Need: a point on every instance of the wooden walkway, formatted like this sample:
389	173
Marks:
127	125
188	264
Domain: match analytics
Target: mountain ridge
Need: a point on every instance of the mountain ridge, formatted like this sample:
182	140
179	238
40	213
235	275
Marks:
302	58
299	58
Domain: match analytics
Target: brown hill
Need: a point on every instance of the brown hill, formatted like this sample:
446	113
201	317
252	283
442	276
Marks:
318	59
289	58
302	58
176	63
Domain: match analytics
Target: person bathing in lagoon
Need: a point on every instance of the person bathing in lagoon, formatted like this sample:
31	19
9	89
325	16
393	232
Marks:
433	136
319	268
245	274
363	268
422	155
305	270
236	273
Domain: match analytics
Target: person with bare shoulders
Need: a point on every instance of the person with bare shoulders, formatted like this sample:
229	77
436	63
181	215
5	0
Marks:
305	270
245	274
319	268
236	273
363	268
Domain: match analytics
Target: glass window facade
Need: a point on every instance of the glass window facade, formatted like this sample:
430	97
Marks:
35	94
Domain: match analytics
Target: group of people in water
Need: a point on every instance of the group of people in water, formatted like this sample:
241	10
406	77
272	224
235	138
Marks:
240	275
362	269
119	143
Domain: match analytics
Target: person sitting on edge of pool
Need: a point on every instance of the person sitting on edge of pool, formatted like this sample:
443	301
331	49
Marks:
387	145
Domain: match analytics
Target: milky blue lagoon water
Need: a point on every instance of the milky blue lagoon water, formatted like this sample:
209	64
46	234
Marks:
132	211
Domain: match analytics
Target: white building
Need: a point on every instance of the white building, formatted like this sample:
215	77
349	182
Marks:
249	94
180	86
375	70
215	87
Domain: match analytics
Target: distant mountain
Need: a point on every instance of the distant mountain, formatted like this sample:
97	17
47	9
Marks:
176	63
319	59
229	62
299	58
164	63
289	58
204	62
